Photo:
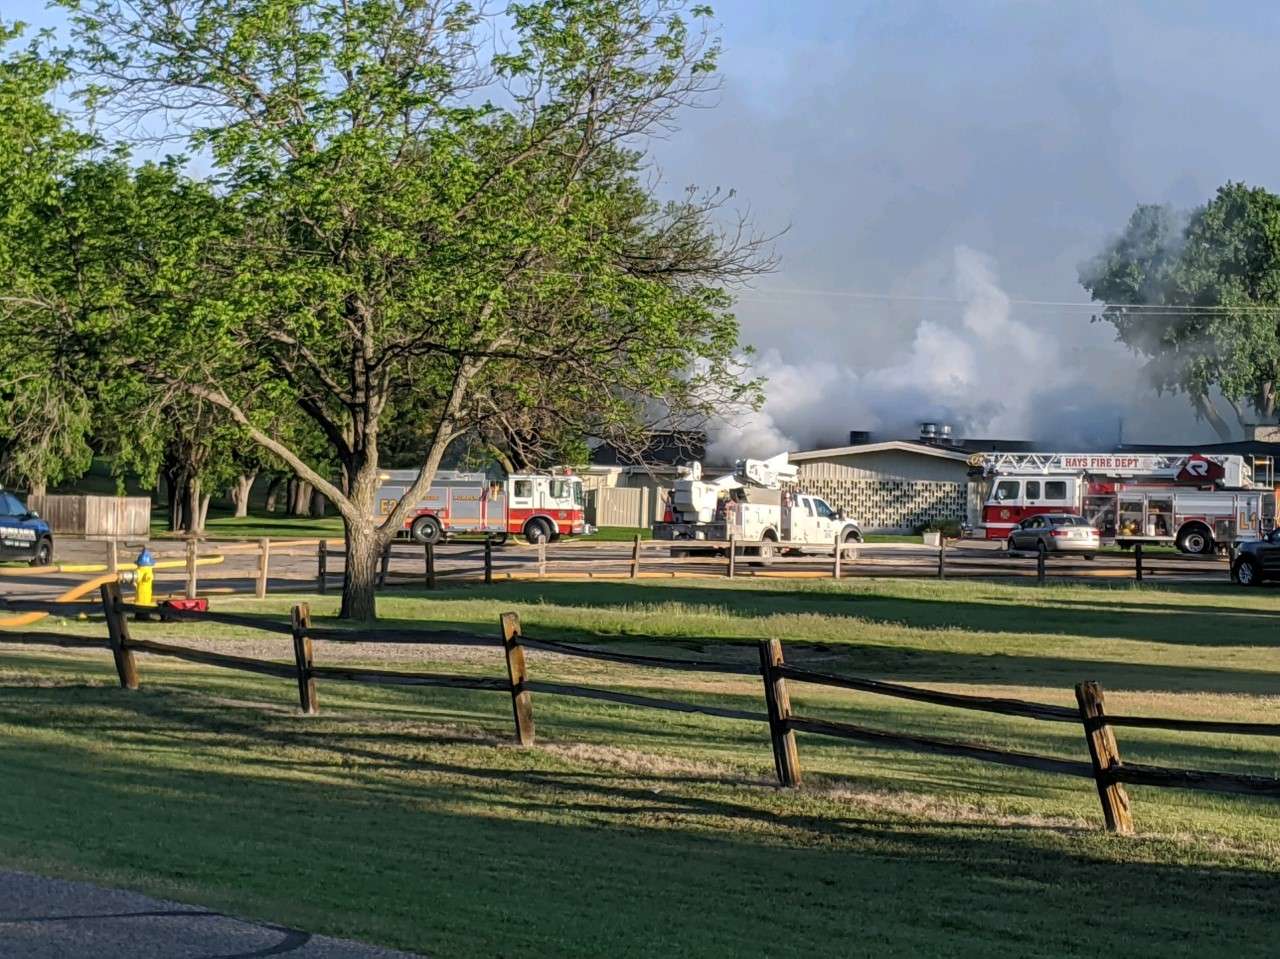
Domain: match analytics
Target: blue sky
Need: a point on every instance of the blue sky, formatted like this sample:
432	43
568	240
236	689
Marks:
963	150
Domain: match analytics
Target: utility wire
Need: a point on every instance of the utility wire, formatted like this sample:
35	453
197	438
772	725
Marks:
1094	307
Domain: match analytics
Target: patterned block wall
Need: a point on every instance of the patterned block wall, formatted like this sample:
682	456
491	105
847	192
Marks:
892	504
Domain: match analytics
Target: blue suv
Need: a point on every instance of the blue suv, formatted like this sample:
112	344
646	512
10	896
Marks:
23	534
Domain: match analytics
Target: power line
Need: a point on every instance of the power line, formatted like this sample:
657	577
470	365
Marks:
1091	306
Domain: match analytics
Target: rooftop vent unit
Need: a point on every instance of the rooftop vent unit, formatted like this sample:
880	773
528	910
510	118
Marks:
859	437
935	433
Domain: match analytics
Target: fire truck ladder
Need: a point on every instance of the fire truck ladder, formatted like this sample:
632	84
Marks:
1146	464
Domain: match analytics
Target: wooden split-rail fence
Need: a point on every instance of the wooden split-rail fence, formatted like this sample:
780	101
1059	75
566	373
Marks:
1104	765
728	558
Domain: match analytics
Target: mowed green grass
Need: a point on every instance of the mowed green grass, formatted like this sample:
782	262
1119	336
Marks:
407	816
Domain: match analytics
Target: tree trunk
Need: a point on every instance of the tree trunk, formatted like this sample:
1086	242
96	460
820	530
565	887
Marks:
1205	407
273	491
191	510
364	549
179	483
37	489
240	493
204	511
318	503
300	502
359	582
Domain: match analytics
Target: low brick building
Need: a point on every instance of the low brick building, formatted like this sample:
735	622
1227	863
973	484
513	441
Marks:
889	487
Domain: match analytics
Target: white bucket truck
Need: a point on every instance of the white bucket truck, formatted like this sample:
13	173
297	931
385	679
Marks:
750	505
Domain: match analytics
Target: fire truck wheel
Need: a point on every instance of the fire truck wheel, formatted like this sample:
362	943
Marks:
426	529
536	531
1195	539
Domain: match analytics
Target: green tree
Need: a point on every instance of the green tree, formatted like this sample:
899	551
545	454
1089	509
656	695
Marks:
45	415
1199	297
430	224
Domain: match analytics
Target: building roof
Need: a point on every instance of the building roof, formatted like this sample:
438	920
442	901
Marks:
899	446
662	448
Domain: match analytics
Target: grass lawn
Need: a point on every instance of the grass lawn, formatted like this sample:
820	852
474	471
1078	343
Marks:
259	523
617	534
407	817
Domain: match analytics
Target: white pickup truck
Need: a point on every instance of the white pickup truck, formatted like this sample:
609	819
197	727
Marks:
778	520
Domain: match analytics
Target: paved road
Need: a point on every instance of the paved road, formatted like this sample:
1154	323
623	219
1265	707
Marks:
54	919
294	571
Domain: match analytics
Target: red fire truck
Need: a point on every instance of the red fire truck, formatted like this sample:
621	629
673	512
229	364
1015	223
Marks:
1198	502
538	506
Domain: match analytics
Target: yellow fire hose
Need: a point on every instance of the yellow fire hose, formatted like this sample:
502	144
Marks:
80	591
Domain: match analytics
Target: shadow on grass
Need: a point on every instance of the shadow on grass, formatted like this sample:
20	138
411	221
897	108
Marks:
918	663
1108	615
298	825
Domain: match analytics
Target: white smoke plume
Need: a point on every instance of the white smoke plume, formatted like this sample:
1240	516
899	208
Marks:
979	369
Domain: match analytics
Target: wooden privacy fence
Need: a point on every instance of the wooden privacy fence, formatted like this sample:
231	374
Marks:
1104	765
95	517
636	507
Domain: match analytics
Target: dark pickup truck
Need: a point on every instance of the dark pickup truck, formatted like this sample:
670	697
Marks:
1256	560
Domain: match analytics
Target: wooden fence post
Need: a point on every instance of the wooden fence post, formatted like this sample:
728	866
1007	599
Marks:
786	760
1040	560
192	575
429	557
942	556
635	556
302	656
1105	756
521	698
488	559
839	550
733	555
113	556
264	566
542	560
118	636
322	566
384	566
1137	561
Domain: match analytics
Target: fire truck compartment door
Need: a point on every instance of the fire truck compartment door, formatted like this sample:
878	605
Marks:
466	507
388	497
497	511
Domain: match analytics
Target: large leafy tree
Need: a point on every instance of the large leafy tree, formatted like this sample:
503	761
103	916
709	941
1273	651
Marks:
436	222
1198	296
45	415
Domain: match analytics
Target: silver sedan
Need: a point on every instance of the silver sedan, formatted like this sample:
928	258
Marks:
1055	533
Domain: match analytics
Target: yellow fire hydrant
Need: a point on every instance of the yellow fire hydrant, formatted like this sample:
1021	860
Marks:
144	579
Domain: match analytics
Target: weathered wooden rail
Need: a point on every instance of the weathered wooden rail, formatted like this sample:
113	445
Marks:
728	558
1103	765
